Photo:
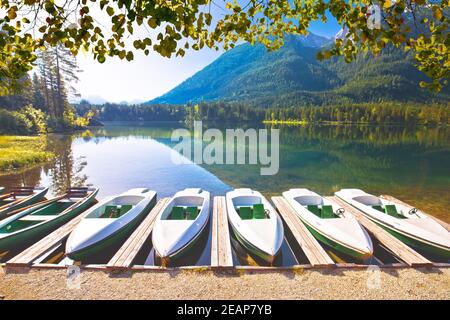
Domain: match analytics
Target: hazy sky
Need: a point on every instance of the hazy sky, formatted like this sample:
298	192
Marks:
147	77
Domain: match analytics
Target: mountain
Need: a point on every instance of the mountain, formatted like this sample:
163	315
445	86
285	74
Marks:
293	76
94	99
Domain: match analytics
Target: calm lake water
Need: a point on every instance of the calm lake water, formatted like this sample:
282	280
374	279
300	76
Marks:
410	164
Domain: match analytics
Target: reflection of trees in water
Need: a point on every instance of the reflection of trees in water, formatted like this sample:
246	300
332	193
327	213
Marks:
327	158
29	177
371	135
65	170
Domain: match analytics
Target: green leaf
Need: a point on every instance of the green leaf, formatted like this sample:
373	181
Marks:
110	10
130	56
152	23
12	13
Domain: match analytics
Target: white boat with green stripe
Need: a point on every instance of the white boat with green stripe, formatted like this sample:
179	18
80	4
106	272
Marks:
411	226
109	223
180	224
330	224
255	223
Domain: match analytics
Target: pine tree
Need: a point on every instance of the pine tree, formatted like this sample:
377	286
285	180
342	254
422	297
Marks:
37	91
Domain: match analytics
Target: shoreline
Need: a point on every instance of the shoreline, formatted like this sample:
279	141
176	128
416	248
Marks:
420	283
19	153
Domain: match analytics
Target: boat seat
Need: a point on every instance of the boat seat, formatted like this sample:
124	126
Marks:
392	211
258	211
314	209
327	212
245	213
378	207
192	213
125	208
110	212
177	213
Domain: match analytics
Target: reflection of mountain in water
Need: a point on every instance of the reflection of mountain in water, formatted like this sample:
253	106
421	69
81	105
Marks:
409	163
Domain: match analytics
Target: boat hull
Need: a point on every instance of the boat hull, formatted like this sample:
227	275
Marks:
112	241
28	236
416	243
252	248
184	251
339	247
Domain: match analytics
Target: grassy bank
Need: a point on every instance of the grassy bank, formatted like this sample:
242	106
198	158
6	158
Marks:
19	152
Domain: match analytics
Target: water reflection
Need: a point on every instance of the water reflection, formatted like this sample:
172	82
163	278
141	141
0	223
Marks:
409	163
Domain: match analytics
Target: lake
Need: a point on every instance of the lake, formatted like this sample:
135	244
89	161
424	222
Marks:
412	164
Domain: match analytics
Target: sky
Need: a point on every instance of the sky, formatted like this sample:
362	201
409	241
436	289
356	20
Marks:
148	77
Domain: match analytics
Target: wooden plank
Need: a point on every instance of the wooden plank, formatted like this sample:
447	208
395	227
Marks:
125	256
310	246
224	255
26	257
391	198
214	234
398	248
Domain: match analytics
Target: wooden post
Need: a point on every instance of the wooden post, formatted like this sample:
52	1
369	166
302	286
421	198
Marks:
221	255
125	256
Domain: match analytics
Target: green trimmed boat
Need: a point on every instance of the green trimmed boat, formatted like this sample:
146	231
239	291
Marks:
109	223
2	189
180	224
19	198
35	222
411	226
255	223
330	224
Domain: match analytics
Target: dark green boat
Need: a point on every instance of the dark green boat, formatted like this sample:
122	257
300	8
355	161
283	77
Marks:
39	220
19	198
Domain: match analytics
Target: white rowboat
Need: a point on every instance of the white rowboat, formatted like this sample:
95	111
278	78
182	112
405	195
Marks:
255	223
411	226
109	222
330	224
180	223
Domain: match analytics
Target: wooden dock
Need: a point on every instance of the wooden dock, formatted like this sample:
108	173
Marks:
391	198
124	257
26	257
220	242
221	250
398	248
310	246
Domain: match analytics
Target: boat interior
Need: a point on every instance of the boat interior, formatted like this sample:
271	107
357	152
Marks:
184	208
53	209
15	194
250	208
315	205
377	204
116	208
43	214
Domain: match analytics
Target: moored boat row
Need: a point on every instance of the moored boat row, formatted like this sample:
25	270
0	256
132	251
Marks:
254	222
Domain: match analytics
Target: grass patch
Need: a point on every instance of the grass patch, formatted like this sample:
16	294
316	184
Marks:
19	152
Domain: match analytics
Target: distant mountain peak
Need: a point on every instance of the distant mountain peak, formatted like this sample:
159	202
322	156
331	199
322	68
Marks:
313	40
292	75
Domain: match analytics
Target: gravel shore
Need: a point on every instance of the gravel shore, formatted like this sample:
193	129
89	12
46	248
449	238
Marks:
302	284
